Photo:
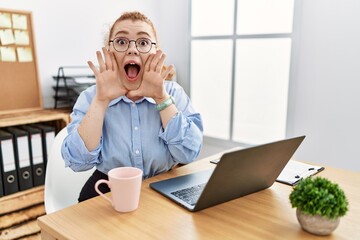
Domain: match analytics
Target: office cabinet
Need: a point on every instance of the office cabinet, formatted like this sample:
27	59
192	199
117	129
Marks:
19	211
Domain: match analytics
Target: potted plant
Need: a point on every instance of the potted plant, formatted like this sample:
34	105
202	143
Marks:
320	204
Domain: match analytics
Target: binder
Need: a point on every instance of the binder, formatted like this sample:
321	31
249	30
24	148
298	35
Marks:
1	174
36	154
7	161
294	171
47	137
22	157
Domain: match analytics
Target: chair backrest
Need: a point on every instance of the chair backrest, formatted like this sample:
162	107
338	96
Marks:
62	185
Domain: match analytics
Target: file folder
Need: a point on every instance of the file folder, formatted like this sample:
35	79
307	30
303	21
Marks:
22	157
47	136
36	154
295	171
7	162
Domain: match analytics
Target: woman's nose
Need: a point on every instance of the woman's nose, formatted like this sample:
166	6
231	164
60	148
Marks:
132	48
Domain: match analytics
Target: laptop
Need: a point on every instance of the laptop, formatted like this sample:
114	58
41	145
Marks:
238	173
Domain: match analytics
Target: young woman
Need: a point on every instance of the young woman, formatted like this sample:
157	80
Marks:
132	116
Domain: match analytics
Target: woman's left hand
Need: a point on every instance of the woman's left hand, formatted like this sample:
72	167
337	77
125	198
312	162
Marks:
153	78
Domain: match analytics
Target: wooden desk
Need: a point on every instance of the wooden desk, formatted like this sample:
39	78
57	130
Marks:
263	215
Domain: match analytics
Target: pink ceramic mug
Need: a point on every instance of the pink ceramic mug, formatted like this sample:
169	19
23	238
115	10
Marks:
125	185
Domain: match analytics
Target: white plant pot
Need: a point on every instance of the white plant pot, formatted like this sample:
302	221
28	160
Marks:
317	224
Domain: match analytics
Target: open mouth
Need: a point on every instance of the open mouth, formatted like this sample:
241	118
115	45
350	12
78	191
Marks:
132	70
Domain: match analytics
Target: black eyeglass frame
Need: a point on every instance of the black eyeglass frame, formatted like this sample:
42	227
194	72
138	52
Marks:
112	41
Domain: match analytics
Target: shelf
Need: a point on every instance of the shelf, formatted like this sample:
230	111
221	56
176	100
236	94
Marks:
27	117
19	211
16	201
70	82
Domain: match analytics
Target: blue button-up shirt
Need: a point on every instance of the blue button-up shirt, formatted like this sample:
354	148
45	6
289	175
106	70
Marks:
132	135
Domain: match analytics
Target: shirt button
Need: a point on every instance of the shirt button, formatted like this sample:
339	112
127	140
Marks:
136	128
137	152
134	105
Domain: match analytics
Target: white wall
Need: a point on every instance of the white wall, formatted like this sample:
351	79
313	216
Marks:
325	76
174	33
324	92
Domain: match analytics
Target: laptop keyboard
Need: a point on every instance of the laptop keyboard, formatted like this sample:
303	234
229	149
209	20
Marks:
190	195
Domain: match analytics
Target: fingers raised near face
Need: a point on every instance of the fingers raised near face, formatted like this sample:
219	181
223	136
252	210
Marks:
93	68
160	64
101	62
155	61
113	61
148	62
108	61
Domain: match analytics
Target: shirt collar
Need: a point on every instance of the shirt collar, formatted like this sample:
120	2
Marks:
127	100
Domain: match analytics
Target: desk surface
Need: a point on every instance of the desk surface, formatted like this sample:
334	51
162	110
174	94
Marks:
263	215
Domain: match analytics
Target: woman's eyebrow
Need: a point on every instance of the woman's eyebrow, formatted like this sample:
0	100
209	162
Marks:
121	32
143	33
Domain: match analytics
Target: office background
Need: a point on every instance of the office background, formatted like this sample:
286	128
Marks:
324	76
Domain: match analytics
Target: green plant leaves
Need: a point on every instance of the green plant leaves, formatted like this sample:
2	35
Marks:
319	196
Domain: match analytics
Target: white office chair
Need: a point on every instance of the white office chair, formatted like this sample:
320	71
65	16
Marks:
62	185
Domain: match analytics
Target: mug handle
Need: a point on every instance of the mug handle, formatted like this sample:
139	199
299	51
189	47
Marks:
99	192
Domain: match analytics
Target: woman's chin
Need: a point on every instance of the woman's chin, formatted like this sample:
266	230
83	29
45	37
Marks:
132	85
132	79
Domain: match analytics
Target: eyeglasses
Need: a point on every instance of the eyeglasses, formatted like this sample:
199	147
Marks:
122	44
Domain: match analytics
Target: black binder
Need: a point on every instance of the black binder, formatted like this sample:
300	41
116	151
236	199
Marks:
7	161
47	136
36	154
1	174
22	157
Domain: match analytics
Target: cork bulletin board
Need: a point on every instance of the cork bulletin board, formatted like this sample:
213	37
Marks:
19	83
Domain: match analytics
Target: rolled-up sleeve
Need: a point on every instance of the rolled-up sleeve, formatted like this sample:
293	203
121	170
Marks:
76	155
184	132
73	149
183	135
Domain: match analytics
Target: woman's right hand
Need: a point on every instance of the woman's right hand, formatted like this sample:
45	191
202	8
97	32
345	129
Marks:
108	83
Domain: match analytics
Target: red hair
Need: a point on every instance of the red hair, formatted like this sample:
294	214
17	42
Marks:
134	16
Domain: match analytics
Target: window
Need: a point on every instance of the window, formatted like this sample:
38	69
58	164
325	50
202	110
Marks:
240	61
